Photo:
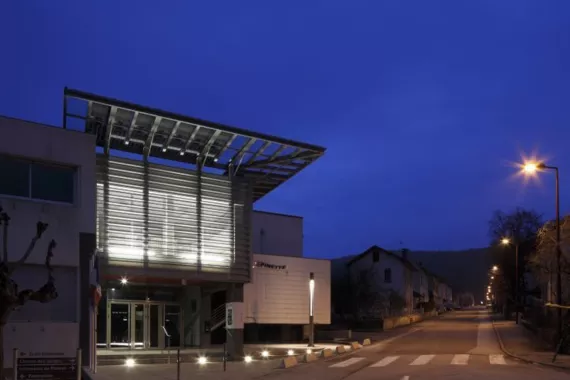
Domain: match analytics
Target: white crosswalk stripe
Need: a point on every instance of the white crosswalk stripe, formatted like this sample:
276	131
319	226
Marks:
460	359
384	362
422	360
497	359
346	363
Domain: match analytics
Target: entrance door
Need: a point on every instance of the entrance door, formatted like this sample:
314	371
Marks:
156	338
139	325
119	325
173	323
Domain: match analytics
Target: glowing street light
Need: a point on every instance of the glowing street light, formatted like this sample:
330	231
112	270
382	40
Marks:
505	241
248	359
530	168
495	268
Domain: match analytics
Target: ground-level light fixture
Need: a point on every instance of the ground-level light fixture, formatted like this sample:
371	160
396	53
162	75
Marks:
290	352
248	359
309	351
265	353
311	309
202	360
130	362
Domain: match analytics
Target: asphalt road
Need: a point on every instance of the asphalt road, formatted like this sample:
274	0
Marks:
459	345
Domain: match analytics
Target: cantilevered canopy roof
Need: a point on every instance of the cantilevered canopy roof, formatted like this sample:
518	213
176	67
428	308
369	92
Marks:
267	160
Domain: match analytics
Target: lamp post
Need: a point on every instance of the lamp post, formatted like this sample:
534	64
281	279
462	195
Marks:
531	168
507	241
311	309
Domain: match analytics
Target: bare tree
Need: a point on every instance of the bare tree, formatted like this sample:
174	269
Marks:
521	227
543	262
11	297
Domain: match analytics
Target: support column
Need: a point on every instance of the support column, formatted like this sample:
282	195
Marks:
199	213
87	337
234	332
205	314
145	211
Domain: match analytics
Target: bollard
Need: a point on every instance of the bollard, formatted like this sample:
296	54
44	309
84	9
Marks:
78	363
225	356
15	363
178	364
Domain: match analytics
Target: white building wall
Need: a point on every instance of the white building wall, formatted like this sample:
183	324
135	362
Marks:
281	296
45	144
277	234
376	270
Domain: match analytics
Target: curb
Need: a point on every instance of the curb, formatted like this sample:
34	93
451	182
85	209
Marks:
508	353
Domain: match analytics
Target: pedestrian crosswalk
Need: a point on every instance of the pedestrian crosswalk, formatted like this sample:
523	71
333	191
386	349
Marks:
459	359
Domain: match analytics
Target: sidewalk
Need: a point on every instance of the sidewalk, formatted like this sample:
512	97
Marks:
519	342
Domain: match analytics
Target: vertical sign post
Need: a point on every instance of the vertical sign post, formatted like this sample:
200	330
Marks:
311	309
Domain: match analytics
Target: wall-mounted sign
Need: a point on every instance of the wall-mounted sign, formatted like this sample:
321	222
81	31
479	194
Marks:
261	264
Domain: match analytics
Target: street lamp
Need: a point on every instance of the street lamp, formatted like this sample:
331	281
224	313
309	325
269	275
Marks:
495	268
531	168
506	241
311	309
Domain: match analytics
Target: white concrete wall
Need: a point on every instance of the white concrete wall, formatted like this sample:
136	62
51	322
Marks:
421	284
277	234
377	269
33	326
37	339
51	145
282	296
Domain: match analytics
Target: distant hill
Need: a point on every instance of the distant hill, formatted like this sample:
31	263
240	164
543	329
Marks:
465	271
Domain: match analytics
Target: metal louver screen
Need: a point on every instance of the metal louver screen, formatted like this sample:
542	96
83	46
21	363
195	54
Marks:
166	217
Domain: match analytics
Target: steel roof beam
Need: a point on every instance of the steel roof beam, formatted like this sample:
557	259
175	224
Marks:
109	130
150	137
131	127
190	139
171	136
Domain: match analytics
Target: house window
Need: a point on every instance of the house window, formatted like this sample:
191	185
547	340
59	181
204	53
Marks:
375	256
388	276
37	180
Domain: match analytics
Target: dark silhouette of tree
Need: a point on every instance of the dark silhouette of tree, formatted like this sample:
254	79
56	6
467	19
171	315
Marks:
520	227
11	297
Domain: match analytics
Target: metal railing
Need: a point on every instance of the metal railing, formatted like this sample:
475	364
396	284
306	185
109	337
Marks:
218	317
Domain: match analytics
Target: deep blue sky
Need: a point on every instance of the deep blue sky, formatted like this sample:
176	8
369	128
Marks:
421	104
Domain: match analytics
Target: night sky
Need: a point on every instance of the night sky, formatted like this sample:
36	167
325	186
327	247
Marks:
423	106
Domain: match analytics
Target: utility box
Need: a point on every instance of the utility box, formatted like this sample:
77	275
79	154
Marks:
234	315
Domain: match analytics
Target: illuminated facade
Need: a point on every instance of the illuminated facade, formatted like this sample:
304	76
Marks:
165	201
173	230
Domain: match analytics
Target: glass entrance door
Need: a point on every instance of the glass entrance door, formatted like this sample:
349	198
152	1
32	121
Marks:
140	325
119	325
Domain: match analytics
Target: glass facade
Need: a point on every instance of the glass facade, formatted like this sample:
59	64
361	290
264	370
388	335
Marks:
172	216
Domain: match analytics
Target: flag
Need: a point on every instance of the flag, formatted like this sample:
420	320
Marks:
95	285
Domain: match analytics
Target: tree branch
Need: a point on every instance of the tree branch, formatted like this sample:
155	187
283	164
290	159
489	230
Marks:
48	291
40	229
